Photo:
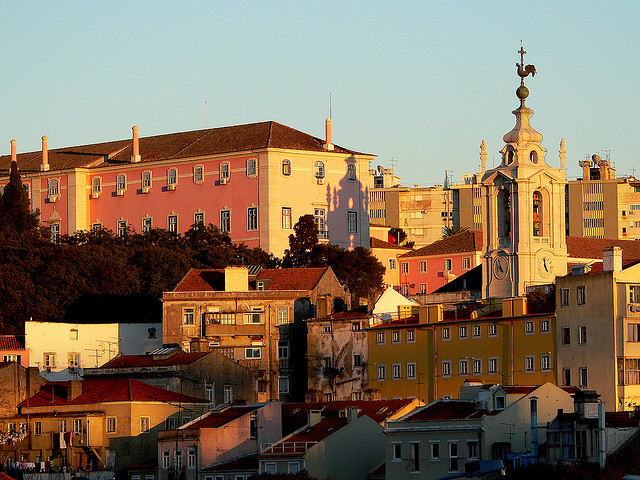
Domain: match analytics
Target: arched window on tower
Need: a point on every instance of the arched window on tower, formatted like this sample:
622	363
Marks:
504	213
537	214
509	157
533	156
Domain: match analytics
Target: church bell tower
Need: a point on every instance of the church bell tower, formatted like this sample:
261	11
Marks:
523	210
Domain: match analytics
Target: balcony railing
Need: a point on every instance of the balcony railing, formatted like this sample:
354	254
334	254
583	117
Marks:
286	447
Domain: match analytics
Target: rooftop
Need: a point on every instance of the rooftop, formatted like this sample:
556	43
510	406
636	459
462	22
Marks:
467	241
178	358
218	418
10	342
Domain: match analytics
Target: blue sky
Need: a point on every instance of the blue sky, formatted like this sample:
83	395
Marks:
419	82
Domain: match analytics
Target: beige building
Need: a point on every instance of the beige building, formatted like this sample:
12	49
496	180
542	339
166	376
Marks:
598	310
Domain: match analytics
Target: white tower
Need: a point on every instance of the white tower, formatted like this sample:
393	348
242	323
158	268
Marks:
522	210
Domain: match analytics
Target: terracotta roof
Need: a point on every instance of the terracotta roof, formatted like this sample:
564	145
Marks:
106	390
10	342
218	418
291	278
622	419
179	358
377	243
297	444
467	241
200	280
582	247
243	463
444	410
349	315
213	141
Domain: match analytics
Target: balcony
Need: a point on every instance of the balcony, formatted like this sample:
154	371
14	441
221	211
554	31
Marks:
285	448
633	309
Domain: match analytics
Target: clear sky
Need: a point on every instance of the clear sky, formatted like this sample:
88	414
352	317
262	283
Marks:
422	83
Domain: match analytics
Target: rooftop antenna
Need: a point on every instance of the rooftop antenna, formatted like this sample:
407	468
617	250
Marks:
205	93
330	105
393	162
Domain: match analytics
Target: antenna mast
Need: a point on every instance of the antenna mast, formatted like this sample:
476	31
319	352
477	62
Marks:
205	93
330	105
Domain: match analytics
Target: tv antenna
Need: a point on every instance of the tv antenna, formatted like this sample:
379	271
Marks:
205	93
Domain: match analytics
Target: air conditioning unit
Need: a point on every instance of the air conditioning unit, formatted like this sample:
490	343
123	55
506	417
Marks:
119	193
171	186
146	189
223	181
53	199
320	181
95	194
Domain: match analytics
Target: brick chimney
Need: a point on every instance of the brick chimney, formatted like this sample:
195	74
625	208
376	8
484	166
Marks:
44	167
135	156
612	259
75	389
327	129
14	156
236	279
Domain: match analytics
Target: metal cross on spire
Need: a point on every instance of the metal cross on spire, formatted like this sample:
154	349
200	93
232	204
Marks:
522	52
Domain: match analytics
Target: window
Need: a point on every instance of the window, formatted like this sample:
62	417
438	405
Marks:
422	288
251	317
251	167
396	371
493	330
144	424
270	468
253	425
422	266
73	334
178	454
564	297
475	331
319	217
191	459
582	334
529	363
166	459
477	366
566	335
172	178
352	222
146	225
463	366
544	325
318	169
566	376
225	172
392	264
415	457
473	449
172	222
111	424
286	217
446	333
466	263
121	182
188	316
634	293
198	174
55	232
446	368
209	392
395	336
633	332
396	452
326	329
224	318
283	350
286	167
462	332
282	315
528	327
293	467
225	220
96	186
50	360
404	268
198	218
500	403
170	423
447	264
435	451
146	180
356	327
74	359
252	218
351	172
493	365
37	428
53	189
581	296
380	338
121	227
545	362
411	371
582	376
252	352
382	372
411	336
453	457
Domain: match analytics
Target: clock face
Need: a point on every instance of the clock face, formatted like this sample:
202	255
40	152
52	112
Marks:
545	266
500	267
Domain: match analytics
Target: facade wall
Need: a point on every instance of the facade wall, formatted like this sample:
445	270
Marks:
17	383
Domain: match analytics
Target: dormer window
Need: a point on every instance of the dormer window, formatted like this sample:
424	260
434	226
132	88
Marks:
259	285
500	402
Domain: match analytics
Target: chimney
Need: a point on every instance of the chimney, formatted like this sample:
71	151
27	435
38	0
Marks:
586	169
198	344
45	154
430	313
327	128
75	389
14	156
236	279
612	259
313	417
135	157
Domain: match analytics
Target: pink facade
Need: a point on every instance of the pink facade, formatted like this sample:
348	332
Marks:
11	350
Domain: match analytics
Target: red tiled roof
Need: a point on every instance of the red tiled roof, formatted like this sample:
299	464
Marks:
179	358
213	141
218	418
106	390
444	410
467	241
622	419
201	280
582	247
291	278
349	315
10	342
377	243
411	320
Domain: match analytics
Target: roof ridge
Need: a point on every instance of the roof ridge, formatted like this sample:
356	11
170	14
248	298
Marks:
204	134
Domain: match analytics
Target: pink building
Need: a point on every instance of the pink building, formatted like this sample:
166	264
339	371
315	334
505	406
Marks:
253	181
429	268
11	350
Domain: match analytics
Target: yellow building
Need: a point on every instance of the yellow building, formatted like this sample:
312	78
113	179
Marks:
431	356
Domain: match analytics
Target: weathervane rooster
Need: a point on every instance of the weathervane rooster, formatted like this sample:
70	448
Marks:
522	70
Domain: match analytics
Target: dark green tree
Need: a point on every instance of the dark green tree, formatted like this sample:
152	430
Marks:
15	212
301	243
451	231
